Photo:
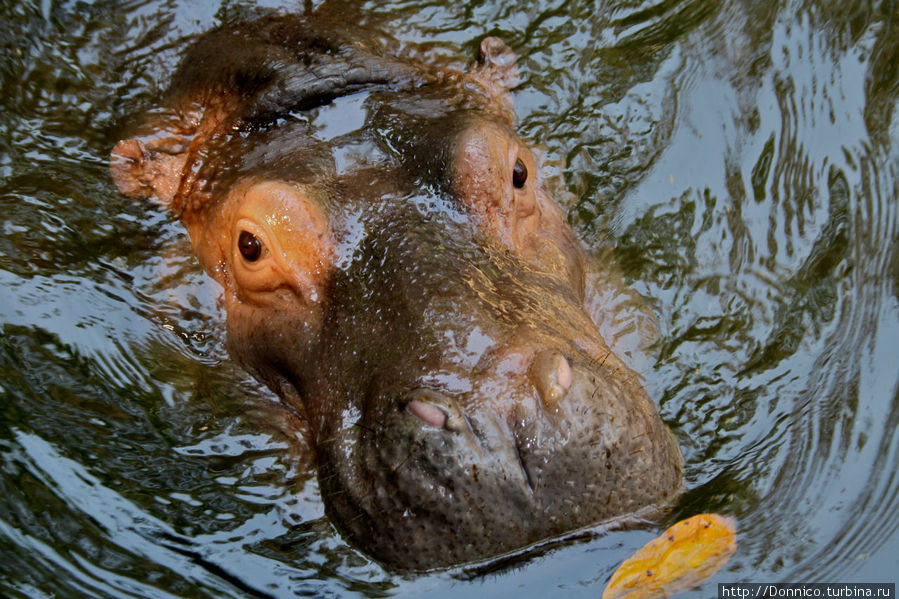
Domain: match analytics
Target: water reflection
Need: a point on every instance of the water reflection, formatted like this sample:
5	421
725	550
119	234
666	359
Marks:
739	156
782	295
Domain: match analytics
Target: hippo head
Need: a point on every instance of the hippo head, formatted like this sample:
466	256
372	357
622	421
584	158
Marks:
407	285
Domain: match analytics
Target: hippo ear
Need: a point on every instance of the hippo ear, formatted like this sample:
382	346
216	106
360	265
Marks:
162	161
496	70
497	63
142	172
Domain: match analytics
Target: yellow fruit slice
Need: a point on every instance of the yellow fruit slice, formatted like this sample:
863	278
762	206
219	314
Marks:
681	558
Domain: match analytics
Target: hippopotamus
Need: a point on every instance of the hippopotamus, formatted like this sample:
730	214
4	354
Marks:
404	282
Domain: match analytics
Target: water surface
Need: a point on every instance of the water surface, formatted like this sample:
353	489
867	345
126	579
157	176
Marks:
741	159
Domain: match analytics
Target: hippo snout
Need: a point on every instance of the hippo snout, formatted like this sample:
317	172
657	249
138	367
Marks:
454	476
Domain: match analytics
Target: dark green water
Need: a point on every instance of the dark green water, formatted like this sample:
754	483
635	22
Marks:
741	157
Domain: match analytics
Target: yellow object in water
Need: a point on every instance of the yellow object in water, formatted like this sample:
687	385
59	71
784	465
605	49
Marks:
685	555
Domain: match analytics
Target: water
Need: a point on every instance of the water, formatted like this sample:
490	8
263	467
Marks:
741	158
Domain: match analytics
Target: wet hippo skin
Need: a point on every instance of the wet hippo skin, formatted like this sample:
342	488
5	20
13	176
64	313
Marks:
406	285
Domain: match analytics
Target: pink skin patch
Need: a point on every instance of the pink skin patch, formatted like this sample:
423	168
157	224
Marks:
428	413
564	376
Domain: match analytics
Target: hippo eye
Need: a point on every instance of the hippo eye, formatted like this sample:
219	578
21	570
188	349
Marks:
249	245
519	174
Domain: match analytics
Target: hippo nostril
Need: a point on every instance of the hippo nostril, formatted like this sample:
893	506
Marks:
427	412
564	374
551	374
435	408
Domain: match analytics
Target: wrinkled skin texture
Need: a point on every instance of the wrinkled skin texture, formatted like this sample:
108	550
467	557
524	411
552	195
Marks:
408	287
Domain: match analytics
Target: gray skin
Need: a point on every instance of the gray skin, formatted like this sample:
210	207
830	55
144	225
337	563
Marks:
409	293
